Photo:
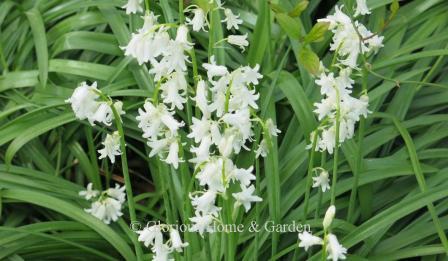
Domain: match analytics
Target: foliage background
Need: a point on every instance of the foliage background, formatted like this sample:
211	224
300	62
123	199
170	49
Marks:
46	156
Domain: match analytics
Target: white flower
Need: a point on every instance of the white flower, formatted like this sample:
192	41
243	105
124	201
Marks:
104	113
182	36
176	241
173	154
225	146
251	75
326	107
327	140
240	120
157	146
201	98
83	100
272	128
335	250
199	20
149	235
338	18
329	215
244	176
213	69
242	97
107	210
169	144
212	176
361	8
322	181
174	90
152	119
111	147
201	223
199	129
117	193
162	252
231	19
205	203
245	197
202	152
133	6
174	59
89	193
262	149
238	40
307	240
149	42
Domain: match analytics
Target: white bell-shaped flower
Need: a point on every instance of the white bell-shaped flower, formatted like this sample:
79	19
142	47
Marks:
111	147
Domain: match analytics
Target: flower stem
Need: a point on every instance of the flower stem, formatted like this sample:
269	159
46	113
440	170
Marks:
147	6
324	247
358	162
336	149
309	176
319	199
127	180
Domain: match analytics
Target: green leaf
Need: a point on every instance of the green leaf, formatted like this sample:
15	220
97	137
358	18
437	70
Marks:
317	32
276	8
18	80
74	212
309	60
40	41
35	131
289	25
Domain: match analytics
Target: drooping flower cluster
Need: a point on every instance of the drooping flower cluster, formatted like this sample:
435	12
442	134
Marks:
334	249
107	205
86	104
350	39
153	236
223	130
199	22
167	56
153	44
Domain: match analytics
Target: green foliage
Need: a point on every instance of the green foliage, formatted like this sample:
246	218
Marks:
399	161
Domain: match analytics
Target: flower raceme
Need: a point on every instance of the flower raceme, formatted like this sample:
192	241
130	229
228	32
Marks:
338	107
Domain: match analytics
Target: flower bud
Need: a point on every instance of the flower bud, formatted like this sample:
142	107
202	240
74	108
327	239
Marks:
329	215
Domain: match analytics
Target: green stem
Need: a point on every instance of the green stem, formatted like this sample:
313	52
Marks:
358	162
147	6
336	149
257	207
155	95
127	180
319	199
324	247
181	11
309	176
